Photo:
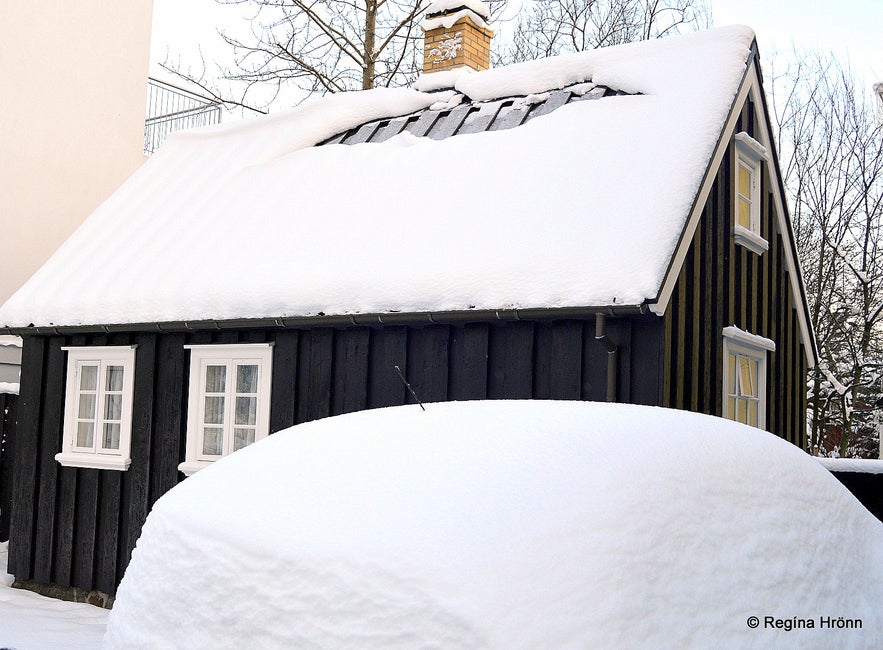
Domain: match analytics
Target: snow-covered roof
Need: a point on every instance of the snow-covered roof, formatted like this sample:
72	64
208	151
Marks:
582	207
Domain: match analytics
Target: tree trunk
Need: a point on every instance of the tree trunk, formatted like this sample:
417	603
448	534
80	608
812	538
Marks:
370	39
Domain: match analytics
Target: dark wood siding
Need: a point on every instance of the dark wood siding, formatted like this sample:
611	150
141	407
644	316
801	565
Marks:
8	411
722	283
77	527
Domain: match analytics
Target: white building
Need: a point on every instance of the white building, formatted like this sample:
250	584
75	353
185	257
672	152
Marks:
74	90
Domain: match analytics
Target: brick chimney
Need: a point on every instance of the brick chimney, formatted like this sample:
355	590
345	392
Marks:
457	35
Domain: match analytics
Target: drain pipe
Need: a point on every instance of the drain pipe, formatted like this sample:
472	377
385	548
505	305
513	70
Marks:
603	339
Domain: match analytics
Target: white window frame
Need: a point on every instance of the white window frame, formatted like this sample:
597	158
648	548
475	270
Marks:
230	355
741	343
750	154
97	456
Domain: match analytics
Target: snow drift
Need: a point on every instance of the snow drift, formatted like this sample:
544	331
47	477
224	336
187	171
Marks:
505	525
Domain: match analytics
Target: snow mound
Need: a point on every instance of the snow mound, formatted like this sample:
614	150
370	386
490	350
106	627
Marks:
505	525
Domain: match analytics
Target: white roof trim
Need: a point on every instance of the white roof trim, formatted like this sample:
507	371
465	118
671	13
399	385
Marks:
750	85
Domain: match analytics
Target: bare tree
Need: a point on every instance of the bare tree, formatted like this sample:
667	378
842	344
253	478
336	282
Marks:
550	27
832	153
320	46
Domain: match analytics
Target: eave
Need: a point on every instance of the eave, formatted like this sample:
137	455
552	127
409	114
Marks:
341	320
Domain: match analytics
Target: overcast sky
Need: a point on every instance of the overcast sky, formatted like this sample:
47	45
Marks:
847	27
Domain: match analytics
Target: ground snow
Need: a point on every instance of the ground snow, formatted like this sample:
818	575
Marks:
505	525
580	207
29	621
857	465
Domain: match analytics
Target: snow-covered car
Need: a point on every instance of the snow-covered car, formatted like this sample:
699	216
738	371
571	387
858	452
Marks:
518	524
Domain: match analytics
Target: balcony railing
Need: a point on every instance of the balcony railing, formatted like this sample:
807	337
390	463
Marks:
171	108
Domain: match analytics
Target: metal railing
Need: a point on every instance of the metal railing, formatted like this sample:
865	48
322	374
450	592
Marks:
171	108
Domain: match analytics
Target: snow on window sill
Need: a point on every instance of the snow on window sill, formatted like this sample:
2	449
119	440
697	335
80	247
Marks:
750	240
94	461
190	467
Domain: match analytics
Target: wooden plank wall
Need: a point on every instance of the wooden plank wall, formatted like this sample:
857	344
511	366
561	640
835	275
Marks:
8	410
721	284
77	527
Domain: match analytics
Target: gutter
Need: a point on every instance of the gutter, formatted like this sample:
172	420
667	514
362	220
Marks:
342	320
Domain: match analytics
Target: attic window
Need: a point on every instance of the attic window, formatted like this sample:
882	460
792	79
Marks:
750	155
744	385
229	401
98	407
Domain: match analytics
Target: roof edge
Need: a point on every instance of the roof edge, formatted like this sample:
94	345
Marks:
751	84
339	320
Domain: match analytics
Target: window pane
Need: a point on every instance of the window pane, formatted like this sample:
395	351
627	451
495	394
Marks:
85	433
214	410
747	386
752	367
246	410
113	407
111	436
246	379
731	375
215	379
744	213
742	411
87	407
752	413
114	380
731	408
212	441
242	438
744	181
88	377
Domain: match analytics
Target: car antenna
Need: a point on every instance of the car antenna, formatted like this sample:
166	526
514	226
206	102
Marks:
408	386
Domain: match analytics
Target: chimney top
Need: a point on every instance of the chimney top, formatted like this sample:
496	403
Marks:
457	35
441	7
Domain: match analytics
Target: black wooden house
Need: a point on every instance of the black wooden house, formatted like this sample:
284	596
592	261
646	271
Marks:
115	407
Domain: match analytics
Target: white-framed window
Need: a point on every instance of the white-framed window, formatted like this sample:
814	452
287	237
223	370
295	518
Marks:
97	429
229	400
750	155
744	371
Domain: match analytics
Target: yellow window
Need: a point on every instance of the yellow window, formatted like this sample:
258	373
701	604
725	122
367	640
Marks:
747	377
745	181
744	202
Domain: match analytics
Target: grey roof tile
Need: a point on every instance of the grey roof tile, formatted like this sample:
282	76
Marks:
471	117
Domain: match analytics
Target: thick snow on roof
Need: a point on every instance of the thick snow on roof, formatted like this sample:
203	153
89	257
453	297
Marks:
581	207
505	525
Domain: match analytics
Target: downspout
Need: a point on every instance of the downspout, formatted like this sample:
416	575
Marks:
603	339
